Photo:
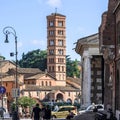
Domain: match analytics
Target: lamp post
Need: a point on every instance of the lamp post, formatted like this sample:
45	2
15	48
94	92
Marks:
7	31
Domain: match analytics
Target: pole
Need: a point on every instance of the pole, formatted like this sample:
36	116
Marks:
7	31
2	97
16	83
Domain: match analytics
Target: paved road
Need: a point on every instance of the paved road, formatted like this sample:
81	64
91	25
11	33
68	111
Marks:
85	116
24	119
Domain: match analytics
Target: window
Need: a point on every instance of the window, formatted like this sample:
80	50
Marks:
51	23
46	83
51	60
6	93
98	72
68	93
63	68
62	109
63	76
50	83
60	23
51	42
60	52
118	39
60	42
60	32
59	77
61	60
49	68
58	68
52	68
37	93
42	83
51	32
51	52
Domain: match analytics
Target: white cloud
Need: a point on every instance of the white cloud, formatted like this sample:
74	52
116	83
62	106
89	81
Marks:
40	1
38	42
54	3
20	44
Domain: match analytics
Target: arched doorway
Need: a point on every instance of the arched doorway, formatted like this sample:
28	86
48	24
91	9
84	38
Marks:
69	101
59	97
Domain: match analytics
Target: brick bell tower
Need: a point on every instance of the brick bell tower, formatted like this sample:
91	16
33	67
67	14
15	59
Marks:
56	47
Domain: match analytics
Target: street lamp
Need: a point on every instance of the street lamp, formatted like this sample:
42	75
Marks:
7	31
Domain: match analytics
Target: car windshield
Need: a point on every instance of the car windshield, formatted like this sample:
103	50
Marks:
55	110
90	108
83	108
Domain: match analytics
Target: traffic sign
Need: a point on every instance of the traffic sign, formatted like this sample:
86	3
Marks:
2	89
15	92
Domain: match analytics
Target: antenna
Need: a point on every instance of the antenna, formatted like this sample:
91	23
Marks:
55	10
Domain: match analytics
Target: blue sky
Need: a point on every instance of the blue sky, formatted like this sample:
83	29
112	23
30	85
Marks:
28	18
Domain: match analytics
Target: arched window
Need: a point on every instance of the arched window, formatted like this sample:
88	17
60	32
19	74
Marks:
50	83
46	83
42	83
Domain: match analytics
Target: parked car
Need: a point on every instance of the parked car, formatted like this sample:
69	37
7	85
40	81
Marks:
100	107
63	111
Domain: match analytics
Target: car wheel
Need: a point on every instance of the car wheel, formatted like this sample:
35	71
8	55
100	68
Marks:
53	117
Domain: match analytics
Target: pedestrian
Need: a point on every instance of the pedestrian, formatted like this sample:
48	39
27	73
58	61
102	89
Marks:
47	115
36	112
70	115
56	108
42	113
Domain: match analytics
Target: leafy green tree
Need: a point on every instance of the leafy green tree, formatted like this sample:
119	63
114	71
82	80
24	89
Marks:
34	59
26	101
38	59
2	57
72	68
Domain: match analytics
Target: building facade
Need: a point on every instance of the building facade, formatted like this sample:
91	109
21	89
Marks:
109	32
117	59
52	84
56	47
92	67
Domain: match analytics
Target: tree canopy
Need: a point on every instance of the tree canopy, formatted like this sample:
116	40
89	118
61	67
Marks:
38	59
72	68
34	59
26	101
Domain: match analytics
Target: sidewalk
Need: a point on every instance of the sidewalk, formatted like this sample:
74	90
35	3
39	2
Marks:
25	119
11	119
85	116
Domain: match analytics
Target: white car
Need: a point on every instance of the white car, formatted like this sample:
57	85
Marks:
99	107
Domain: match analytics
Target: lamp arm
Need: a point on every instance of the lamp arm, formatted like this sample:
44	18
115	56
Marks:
6	31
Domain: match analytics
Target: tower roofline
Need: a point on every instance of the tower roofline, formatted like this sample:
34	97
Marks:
56	14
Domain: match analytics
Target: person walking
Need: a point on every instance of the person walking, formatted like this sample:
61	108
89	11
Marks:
36	112
47	115
70	115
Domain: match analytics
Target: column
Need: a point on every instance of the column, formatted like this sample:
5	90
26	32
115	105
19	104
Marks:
86	91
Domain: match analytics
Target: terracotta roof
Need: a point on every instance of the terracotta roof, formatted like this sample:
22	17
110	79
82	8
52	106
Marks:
38	75
56	14
29	70
3	62
8	78
92	39
48	88
74	80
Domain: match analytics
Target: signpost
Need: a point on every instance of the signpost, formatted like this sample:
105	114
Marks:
2	89
15	92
